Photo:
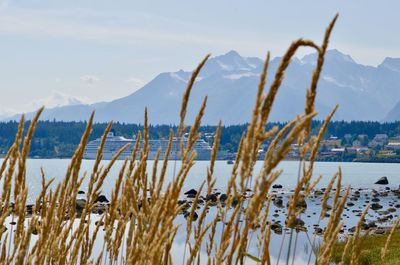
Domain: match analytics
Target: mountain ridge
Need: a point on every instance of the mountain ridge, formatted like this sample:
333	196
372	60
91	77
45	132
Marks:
230	81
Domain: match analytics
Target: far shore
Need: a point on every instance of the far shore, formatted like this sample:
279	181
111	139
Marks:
387	161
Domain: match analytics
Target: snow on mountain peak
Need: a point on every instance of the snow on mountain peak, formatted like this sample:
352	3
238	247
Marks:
331	55
232	61
231	82
240	75
337	55
178	77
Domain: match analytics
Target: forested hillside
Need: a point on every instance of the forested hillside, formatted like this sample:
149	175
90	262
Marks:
59	139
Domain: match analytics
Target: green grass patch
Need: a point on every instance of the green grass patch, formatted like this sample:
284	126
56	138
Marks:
371	247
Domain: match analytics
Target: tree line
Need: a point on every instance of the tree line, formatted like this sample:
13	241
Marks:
59	139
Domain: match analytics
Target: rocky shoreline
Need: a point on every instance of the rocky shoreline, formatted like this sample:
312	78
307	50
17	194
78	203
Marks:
384	208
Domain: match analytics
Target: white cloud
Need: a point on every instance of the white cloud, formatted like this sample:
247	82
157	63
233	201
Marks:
56	99
90	79
7	112
134	82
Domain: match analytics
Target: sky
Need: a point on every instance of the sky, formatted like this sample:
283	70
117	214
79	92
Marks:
67	51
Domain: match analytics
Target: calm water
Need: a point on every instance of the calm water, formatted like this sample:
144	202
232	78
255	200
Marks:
358	175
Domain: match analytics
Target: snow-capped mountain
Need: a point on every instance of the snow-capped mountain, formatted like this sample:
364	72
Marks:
230	81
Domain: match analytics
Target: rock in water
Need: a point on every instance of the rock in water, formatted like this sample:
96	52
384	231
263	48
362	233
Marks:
278	202
277	228
211	197
318	231
376	206
195	216
102	199
191	193
382	181
223	197
80	204
277	186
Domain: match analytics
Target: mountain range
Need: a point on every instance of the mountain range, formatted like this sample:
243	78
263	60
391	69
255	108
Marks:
230	81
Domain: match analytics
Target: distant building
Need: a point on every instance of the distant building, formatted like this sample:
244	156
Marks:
364	153
379	141
393	144
331	142
362	137
357	143
209	137
381	137
264	146
351	150
294	151
386	153
347	137
338	150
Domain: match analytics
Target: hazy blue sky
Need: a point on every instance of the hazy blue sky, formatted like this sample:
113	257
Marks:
98	50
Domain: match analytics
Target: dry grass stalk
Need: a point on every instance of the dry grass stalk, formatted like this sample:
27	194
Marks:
140	221
312	91
331	232
186	95
385	248
356	241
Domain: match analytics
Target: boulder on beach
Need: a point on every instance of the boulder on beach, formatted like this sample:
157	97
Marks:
372	224
380	231
382	181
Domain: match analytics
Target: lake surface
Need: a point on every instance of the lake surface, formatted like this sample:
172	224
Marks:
358	175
